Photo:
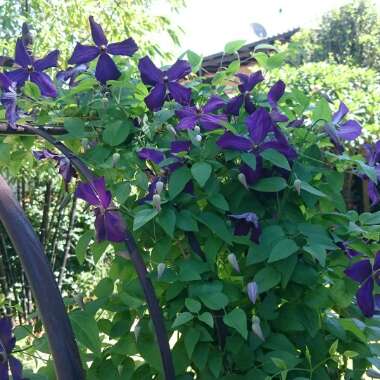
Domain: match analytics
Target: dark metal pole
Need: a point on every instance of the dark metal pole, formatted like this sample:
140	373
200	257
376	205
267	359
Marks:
45	291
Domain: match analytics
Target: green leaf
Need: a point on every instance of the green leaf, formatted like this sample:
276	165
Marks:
217	225
195	60
369	171
312	190
182	318
207	318
270	185
143	217
267	278
249	159
233	46
201	172
214	301
322	111
334	347
186	222
284	248
192	337
75	127
81	248
264	47
104	288
178	181
276	158
32	90
318	251
167	220
86	330
238	321
117	132
219	201
193	305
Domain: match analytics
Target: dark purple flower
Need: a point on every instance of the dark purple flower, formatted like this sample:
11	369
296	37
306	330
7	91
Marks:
106	68
274	95
178	146
164	83
372	154
340	132
150	154
152	189
347	250
204	116
9	100
296	123
7	345
247	83
109	224
33	70
246	223
65	168
365	274
71	74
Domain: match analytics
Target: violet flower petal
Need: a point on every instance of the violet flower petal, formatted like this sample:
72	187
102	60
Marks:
180	69
259	124
156	97
5	82
349	131
44	83
153	155
181	94
83	54
16	368
50	60
187	123
359	271
94	193
209	122
373	193
213	104
365	298
275	93
97	32
340	114
22	57
234	142
149	72
127	47
106	69
233	106
18	76
180	146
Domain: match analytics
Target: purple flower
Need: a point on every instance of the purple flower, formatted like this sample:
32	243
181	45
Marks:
66	170
152	189
247	83
366	274
9	100
372	154
347	250
164	83
7	345
274	95
340	132
150	154
178	146
33	70
106	68
204	116
246	223
71	74
108	222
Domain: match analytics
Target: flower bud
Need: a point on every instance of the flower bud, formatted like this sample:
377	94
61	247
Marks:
172	130
115	158
136	331
233	261
160	270
197	130
243	180
373	373
297	186
256	328
159	187
252	290
157	201
198	138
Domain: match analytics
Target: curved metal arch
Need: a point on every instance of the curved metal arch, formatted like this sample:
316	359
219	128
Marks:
61	339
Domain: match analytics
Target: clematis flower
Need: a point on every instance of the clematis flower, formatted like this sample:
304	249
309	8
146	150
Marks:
178	146
9	100
71	74
263	134
109	224
340	132
150	154
164	83
372	154
366	274
246	223
274	95
106	68
33	70
248	82
204	116
7	344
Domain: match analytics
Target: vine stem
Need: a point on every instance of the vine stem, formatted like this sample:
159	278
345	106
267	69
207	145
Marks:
136	258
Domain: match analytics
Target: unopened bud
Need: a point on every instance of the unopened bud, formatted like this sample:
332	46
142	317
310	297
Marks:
243	180
104	100
297	186
157	201
197	130
252	290
172	130
373	373
256	328
115	158
198	138
136	331
160	270
233	261
159	187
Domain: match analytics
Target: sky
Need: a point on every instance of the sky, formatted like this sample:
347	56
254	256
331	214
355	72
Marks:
209	24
